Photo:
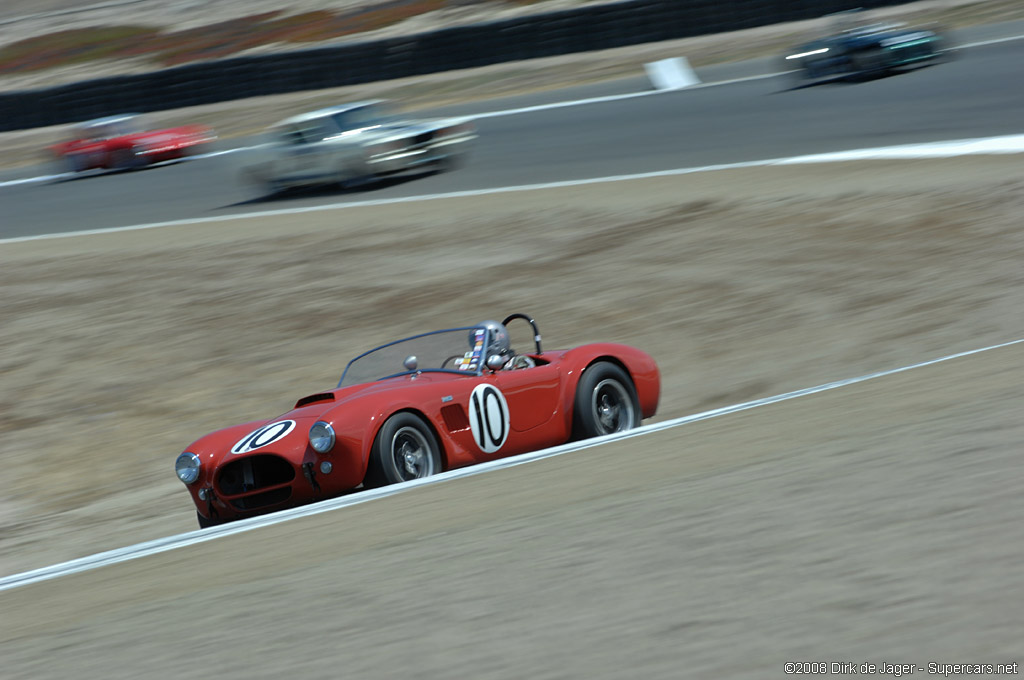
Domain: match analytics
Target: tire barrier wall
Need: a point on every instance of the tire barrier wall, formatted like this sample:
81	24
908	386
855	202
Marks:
579	30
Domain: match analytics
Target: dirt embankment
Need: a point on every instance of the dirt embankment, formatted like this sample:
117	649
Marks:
120	350
876	523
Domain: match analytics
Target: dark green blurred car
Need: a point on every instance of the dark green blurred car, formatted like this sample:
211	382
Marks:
864	49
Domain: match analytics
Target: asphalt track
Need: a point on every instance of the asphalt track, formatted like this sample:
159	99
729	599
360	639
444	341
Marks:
971	96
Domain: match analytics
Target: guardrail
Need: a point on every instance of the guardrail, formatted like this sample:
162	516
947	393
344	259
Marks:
584	29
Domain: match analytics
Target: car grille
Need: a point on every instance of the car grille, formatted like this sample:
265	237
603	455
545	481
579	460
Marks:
262	500
253	473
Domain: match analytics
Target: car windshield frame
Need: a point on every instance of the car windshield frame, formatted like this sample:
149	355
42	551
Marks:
357	118
472	356
110	128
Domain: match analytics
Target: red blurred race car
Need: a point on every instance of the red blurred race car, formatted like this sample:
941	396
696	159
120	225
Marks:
416	407
123	143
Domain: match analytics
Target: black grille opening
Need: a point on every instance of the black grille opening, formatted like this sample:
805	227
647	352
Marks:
262	500
253	473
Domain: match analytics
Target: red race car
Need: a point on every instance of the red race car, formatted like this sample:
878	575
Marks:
416	407
123	143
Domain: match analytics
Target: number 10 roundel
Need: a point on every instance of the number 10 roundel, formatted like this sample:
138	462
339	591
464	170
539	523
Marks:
488	417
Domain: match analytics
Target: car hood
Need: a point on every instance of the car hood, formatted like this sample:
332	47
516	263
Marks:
171	135
315	405
403	129
287	435
891	36
282	436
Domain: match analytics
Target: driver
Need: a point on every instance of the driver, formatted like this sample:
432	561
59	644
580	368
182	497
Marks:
498	343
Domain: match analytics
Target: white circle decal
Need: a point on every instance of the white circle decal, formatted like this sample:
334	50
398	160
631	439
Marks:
488	417
260	437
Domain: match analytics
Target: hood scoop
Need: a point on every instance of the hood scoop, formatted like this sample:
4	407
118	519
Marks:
314	398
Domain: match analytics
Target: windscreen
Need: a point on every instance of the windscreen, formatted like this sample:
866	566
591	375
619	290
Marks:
459	350
363	117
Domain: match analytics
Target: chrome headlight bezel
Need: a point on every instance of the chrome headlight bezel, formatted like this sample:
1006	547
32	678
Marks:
187	467
321	436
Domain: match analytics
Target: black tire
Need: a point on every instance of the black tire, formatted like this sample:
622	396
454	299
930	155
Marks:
344	177
605	402
405	448
809	70
943	54
274	189
869	64
125	160
450	163
73	163
205	523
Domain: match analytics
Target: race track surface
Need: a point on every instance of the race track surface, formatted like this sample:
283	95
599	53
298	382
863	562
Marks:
869	525
754	120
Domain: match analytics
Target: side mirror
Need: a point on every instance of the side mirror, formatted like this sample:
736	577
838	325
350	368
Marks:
411	362
496	362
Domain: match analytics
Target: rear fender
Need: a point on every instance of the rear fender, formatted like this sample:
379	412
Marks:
638	365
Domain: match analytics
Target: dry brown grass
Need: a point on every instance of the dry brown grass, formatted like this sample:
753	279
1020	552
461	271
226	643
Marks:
121	349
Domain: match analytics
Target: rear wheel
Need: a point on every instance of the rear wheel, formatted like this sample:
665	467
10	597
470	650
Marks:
405	449
605	402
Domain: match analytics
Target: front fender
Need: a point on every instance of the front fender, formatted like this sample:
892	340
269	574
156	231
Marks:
357	428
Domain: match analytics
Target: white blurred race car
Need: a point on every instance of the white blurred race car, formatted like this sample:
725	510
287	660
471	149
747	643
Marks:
354	143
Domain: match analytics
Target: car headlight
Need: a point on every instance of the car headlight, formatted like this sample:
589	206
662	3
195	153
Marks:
321	437
187	467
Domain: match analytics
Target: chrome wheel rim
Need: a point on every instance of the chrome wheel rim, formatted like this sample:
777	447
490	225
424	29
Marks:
612	407
412	454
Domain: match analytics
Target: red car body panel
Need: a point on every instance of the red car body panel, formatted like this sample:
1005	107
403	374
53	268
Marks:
540	402
141	148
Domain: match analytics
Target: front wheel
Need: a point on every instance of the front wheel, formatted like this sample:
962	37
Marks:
605	402
870	63
449	163
126	159
205	523
73	163
405	449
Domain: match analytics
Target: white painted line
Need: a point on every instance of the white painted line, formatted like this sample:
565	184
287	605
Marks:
140	550
63	12
983	43
993	145
42	179
32	180
489	114
1008	144
613	98
696	86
